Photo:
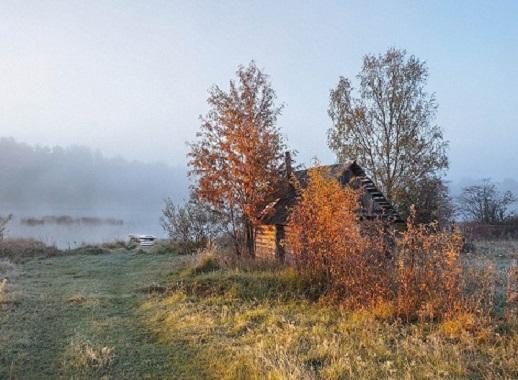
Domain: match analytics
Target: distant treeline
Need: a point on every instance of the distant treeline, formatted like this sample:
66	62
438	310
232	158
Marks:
69	220
77	177
476	231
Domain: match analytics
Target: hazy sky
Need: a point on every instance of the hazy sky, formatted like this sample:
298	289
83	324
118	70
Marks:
131	78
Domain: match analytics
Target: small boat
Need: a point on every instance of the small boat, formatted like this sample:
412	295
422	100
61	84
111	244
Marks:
144	240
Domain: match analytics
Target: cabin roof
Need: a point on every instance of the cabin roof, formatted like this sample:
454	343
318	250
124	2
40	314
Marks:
277	212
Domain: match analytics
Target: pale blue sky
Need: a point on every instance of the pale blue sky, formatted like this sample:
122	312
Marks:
131	78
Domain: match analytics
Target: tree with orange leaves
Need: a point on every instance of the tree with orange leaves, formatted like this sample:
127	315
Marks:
238	153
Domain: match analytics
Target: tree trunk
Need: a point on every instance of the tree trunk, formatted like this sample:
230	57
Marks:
237	249
250	239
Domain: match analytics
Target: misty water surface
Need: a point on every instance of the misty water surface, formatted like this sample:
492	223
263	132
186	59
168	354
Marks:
78	182
77	233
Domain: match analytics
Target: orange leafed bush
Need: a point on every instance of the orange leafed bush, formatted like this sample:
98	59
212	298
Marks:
428	272
358	262
330	244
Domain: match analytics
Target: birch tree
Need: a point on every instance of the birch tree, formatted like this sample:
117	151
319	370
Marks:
388	125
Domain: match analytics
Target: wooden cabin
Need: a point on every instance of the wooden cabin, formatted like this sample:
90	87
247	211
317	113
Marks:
271	233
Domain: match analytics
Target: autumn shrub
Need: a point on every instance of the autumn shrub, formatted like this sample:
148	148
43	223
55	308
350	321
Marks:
89	249
334	248
116	244
414	275
428	272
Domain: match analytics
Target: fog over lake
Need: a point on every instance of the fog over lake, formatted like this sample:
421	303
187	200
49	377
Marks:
73	195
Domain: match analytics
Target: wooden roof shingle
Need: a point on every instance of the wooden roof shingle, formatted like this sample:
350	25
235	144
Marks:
285	197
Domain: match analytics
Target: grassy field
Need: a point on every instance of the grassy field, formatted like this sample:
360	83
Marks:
79	317
123	315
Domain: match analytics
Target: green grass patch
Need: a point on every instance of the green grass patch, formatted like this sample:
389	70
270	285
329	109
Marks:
77	316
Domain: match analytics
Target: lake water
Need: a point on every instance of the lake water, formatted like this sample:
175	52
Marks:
80	232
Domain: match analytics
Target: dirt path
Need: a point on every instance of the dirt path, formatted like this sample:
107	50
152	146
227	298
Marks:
79	317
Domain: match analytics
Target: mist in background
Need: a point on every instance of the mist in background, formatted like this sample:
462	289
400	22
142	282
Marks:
91	198
130	79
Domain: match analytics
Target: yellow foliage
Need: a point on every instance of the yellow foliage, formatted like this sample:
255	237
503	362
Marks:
384	310
331	245
458	325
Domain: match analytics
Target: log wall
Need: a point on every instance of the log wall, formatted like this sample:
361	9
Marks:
265	242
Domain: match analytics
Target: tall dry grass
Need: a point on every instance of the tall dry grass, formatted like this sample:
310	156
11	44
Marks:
511	291
81	354
427	272
7	276
3	290
17	250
